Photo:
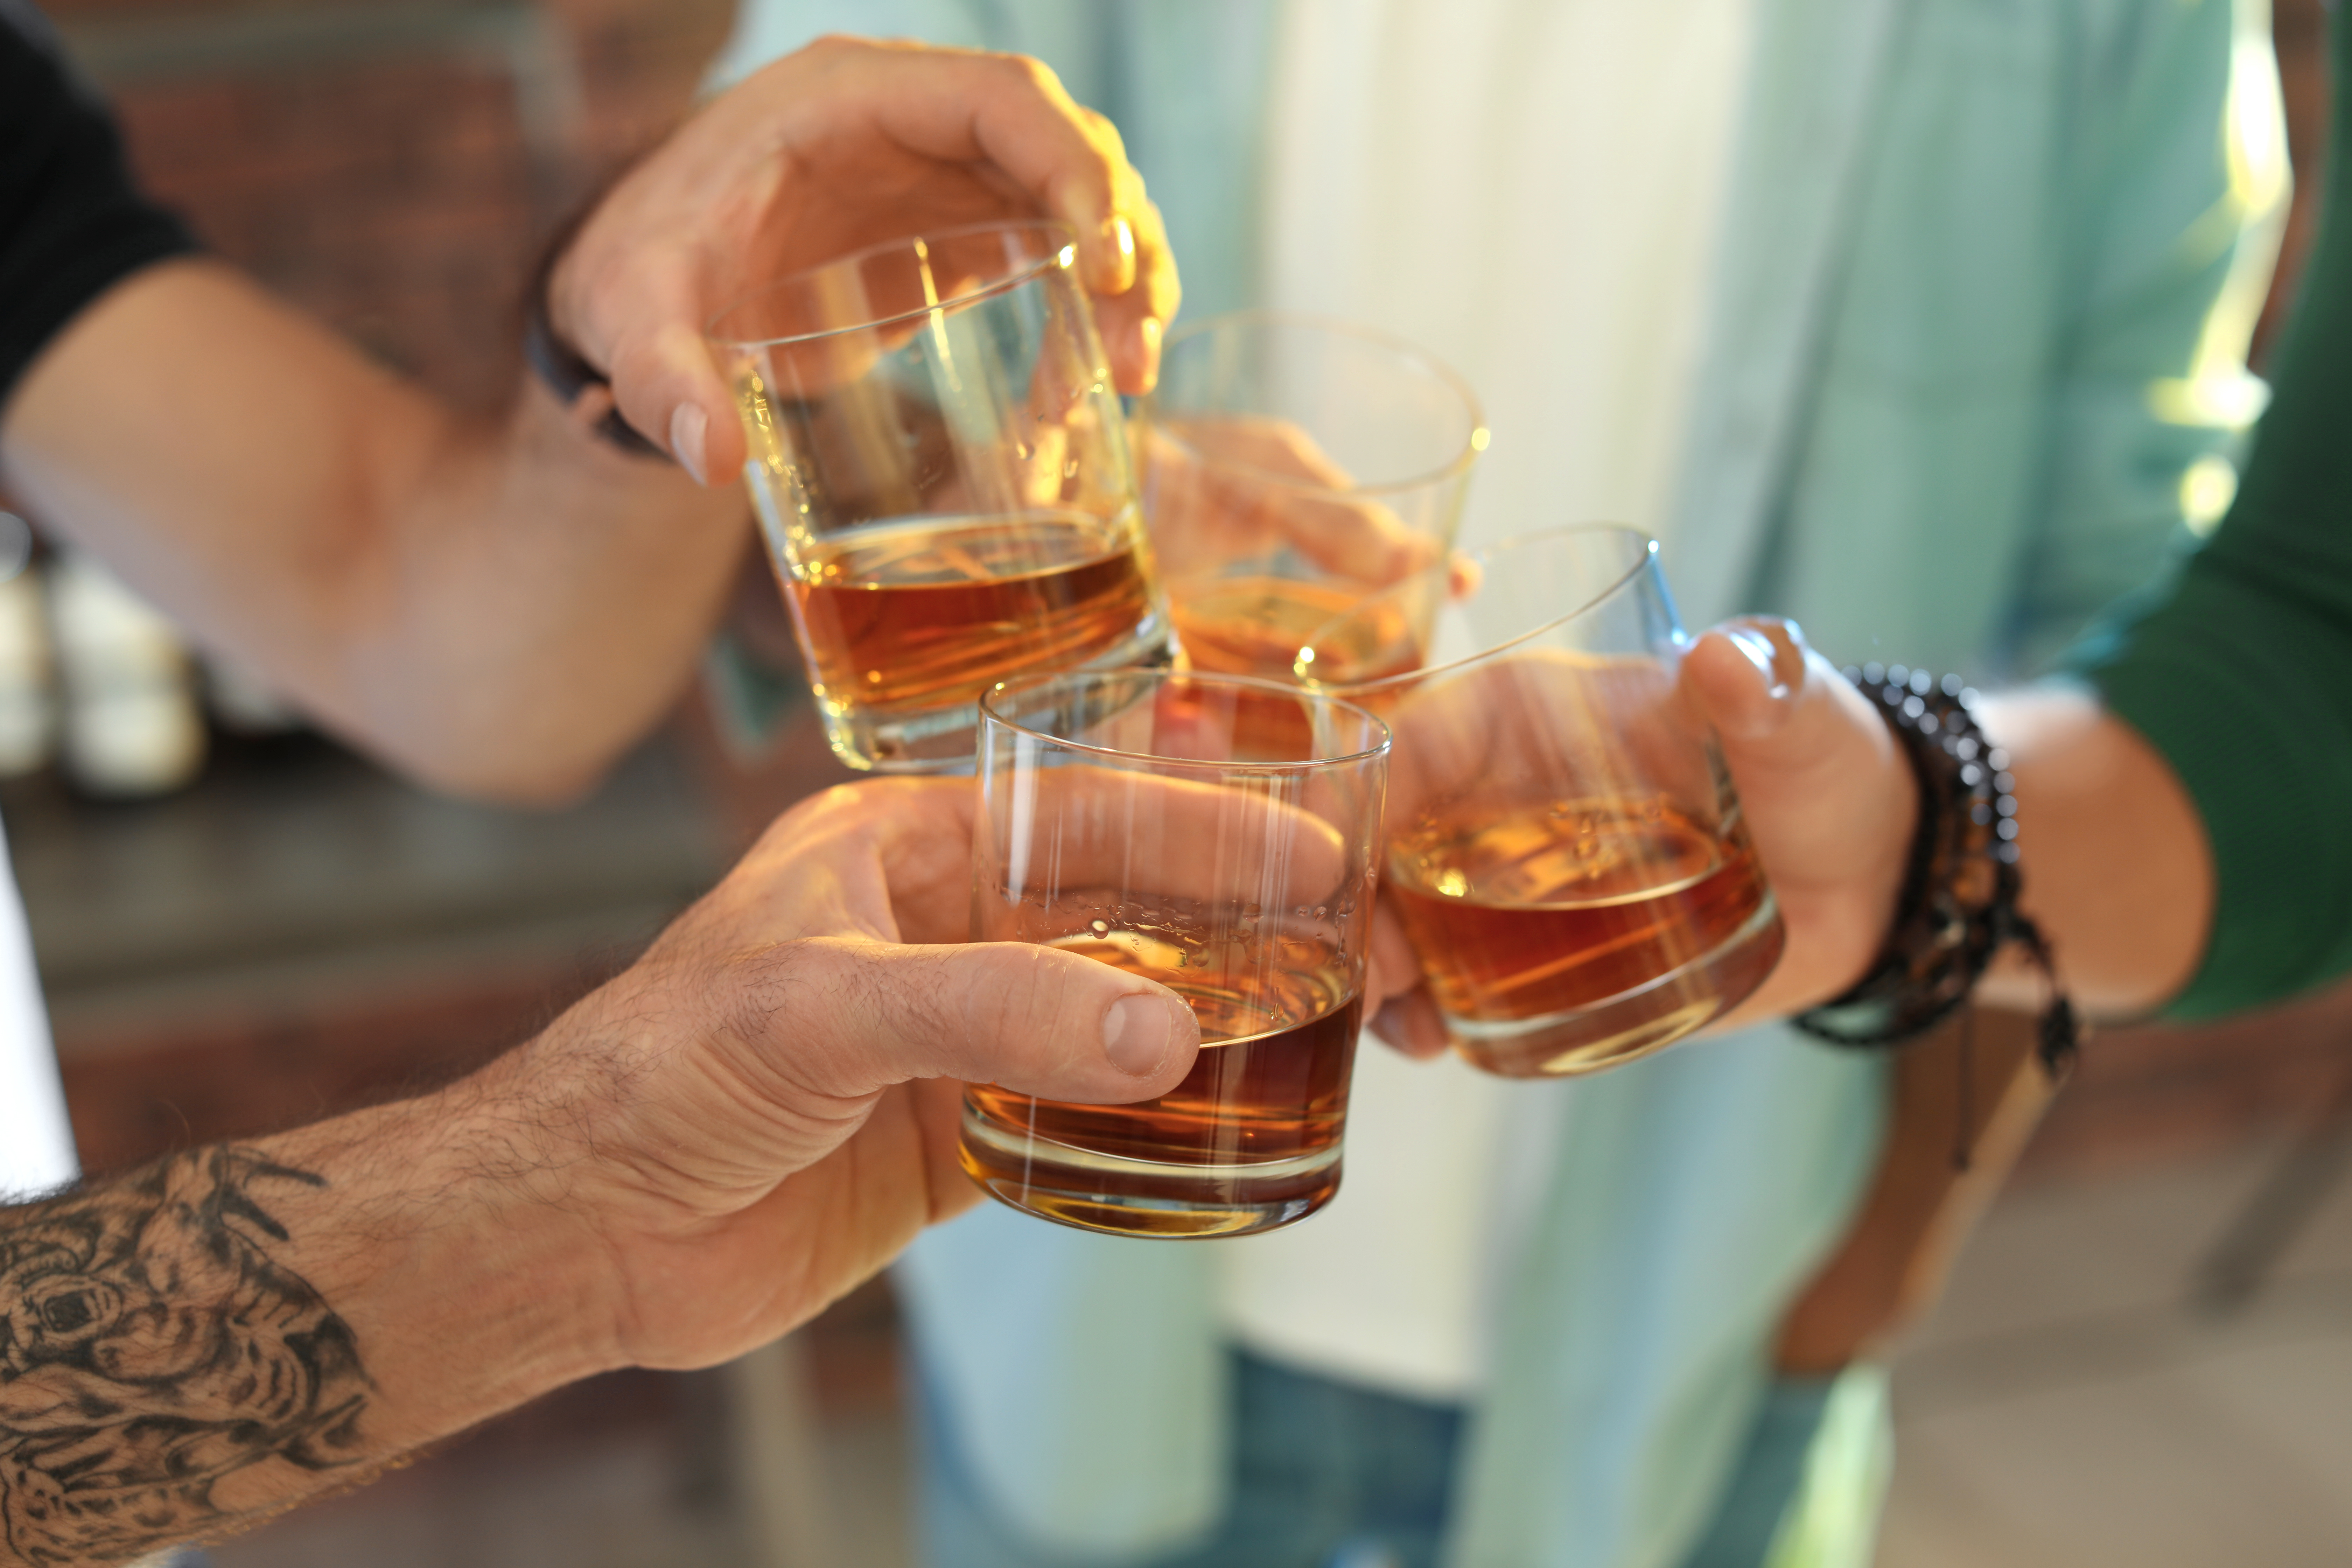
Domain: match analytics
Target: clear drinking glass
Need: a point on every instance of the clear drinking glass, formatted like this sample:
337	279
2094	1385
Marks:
1219	836
1563	845
940	466
1291	467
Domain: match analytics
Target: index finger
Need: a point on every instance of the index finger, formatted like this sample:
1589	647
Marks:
1013	112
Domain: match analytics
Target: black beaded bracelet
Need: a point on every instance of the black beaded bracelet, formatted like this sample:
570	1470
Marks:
1959	905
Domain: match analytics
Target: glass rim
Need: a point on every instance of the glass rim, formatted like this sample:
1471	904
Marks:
1063	256
989	714
1473	444
1345	689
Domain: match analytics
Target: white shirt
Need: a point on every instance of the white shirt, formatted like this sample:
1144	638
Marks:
37	1149
1531	189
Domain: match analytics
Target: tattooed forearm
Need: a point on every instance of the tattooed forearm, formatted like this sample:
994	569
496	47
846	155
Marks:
154	1345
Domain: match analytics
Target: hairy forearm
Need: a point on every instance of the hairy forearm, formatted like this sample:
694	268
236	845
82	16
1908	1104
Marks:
206	1342
499	605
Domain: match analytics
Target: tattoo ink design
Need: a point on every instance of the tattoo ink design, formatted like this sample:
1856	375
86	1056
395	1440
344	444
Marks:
150	1348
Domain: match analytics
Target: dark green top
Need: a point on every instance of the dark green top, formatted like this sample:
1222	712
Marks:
2238	669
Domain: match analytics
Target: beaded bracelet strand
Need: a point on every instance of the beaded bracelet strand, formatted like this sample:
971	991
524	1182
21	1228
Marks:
1959	905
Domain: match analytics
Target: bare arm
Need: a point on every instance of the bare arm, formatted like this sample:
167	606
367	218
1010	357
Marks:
501	607
495	607
696	1158
2117	871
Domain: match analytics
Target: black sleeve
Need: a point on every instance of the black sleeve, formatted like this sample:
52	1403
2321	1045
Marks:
71	226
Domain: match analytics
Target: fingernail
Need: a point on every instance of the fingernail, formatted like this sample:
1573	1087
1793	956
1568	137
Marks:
1147	349
687	425
1389	1022
1118	269
1135	1035
1764	657
1788	640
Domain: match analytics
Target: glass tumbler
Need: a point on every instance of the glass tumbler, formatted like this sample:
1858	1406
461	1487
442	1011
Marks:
1291	466
1219	836
1563	845
941	470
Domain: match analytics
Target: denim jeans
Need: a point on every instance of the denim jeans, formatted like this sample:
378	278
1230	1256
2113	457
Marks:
1325	1476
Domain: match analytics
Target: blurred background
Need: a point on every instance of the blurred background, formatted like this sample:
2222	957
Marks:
2146	1355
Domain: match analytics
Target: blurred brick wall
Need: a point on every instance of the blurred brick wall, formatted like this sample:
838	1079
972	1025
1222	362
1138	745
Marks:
392	166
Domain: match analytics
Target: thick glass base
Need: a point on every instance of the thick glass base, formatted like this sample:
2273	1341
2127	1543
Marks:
1125	1196
939	738
1633	1024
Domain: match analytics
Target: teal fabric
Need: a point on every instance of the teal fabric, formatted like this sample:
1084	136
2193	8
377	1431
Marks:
1080	1378
1937	441
1770	1473
1692	1195
1955	369
1811	1485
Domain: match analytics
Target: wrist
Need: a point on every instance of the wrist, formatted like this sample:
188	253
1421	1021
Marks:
1957	906
445	1241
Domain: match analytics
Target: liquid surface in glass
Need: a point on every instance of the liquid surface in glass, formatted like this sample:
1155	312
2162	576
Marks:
1251	626
1526	911
937	610
1252	1132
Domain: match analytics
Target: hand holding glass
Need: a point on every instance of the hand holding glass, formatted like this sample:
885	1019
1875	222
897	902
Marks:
940	471
1564	846
1219	836
1291	467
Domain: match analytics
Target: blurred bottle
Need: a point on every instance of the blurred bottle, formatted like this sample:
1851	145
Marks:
134	724
28	701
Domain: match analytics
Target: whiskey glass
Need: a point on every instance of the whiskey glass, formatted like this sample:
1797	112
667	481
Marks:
1564	847
940	466
1219	836
1292	466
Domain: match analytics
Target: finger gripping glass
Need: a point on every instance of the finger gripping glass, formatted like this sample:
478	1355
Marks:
1564	846
1216	836
940	472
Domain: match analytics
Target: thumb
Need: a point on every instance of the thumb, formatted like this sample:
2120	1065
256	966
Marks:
669	386
1029	1018
640	320
1788	723
1748	676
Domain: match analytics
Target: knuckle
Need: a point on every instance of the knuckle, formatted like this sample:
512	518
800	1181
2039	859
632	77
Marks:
802	1007
1010	1008
1100	130
1028	73
834	47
